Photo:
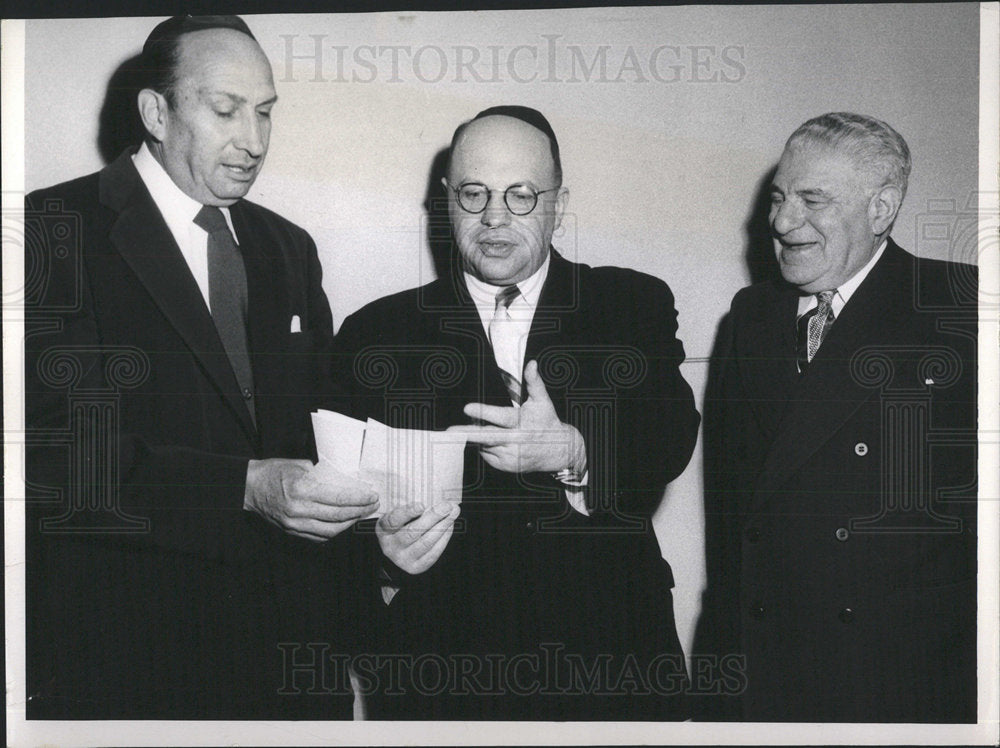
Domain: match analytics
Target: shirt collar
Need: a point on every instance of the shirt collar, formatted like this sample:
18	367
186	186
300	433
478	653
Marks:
846	289
177	207
484	294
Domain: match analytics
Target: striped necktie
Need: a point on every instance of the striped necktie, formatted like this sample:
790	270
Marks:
813	326
227	297
506	343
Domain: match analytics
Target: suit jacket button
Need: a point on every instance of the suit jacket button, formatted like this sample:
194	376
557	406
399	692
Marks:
753	534
842	533
846	615
757	611
247	394
860	449
530	524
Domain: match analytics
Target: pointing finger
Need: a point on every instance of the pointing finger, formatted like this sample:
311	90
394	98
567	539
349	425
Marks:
490	436
495	414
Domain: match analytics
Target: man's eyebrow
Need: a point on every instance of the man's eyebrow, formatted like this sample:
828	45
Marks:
814	192
809	192
236	98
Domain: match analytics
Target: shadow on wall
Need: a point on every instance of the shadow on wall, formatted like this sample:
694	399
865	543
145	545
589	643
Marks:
120	126
444	253
759	255
436	209
716	631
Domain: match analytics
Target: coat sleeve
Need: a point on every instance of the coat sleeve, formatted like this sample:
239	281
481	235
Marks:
653	425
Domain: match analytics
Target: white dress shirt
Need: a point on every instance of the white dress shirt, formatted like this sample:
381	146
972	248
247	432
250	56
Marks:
522	312
521	309
846	289
179	211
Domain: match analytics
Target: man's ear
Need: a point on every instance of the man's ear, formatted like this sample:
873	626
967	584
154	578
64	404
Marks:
883	207
562	200
153	112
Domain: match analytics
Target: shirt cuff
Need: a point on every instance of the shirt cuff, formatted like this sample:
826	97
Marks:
574	490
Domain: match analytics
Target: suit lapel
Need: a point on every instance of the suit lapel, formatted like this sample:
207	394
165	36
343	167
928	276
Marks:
142	238
557	303
459	320
829	393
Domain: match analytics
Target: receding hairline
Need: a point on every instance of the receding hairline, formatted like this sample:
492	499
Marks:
188	68
232	37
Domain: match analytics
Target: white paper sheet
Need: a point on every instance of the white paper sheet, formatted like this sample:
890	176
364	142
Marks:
405	466
338	440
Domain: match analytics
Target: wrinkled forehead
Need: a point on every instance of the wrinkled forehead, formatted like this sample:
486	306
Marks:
807	163
500	150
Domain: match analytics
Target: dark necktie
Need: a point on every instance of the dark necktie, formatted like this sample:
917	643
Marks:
227	297
812	328
506	343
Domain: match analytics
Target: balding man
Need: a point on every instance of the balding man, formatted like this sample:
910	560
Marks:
174	350
547	597
840	453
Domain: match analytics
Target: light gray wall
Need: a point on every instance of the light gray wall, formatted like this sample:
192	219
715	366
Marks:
664	146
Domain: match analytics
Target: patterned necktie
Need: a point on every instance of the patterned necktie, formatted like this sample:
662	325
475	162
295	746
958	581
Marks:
506	343
227	297
813	326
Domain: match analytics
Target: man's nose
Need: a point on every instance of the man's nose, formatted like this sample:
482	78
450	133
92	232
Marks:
785	216
252	137
495	213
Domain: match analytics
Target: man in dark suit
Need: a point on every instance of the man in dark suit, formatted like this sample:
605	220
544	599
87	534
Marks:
840	454
547	598
175	338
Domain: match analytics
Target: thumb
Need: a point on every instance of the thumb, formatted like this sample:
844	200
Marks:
401	515
534	383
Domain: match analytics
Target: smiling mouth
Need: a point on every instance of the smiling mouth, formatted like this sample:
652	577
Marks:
240	171
795	246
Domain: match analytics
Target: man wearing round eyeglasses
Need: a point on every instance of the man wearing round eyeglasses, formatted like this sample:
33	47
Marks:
507	202
546	598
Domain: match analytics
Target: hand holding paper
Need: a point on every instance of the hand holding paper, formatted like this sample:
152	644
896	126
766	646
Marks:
527	439
289	494
414	538
403	466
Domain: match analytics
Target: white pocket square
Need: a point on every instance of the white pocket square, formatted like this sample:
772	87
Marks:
296	324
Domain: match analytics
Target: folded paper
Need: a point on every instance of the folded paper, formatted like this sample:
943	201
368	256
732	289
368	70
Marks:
404	466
